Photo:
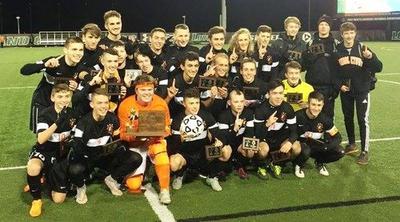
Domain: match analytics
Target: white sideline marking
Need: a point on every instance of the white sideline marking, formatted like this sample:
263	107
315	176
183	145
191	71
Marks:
388	74
12	168
388	81
377	140
161	210
17	87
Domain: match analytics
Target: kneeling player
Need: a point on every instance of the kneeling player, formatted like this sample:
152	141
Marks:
54	126
275	126
319	133
192	130
92	132
152	146
236	123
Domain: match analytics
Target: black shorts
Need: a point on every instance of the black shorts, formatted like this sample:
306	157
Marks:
57	177
47	157
275	143
195	154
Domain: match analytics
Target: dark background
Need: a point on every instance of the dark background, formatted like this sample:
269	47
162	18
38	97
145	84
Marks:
143	15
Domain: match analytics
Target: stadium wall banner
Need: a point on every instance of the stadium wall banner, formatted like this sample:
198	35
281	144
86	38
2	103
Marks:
13	40
395	35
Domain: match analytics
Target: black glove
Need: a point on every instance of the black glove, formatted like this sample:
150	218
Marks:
62	116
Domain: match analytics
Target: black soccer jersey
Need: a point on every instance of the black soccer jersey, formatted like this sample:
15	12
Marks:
43	90
130	46
195	127
90	135
175	54
284	127
267	66
316	127
91	60
254	92
47	118
158	60
202	56
226	124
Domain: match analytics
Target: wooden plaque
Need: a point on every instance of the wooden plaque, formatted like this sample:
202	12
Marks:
251	92
133	73
251	144
294	98
317	49
221	82
213	152
277	156
150	123
113	88
207	82
110	148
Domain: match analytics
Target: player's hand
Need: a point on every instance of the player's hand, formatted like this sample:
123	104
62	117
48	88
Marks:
73	85
366	53
344	88
128	80
286	147
96	80
102	46
172	90
218	143
62	116
302	104
308	134
214	91
233	57
210	55
210	71
271	120
223	92
53	62
262	51
238	123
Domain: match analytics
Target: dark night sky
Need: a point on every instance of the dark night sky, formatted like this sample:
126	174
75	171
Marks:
143	15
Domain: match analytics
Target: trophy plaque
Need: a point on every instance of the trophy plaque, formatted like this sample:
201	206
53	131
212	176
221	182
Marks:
251	144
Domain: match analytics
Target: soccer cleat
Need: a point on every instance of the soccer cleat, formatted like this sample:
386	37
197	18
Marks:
363	158
177	183
322	169
36	208
276	170
81	197
164	196
299	172
350	148
113	186
241	172
262	173
213	182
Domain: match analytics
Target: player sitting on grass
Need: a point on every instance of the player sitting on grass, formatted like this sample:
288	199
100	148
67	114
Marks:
54	126
190	131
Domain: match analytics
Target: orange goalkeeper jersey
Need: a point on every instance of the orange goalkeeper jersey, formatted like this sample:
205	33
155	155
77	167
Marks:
129	107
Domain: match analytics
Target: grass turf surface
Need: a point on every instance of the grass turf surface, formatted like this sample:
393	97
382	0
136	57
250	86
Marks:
348	181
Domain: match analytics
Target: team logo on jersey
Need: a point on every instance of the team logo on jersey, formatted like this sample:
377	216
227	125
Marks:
133	114
283	116
269	59
110	128
320	127
72	122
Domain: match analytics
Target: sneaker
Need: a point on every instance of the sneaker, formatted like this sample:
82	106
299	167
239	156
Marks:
262	173
350	148
322	169
177	183
363	158
164	196
299	172
241	172
81	197
276	170
113	186
213	182
36	208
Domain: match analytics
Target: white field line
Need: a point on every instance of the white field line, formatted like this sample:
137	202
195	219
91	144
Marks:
388	81
17	87
161	210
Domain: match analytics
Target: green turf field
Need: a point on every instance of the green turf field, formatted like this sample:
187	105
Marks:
351	193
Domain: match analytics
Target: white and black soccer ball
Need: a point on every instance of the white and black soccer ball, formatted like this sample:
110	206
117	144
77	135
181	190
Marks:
192	126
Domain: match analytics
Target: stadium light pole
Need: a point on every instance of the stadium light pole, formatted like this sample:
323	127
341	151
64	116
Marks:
184	19
223	14
18	24
309	15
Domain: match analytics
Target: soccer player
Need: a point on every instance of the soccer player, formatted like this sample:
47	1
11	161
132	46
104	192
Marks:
192	130
296	91
275	126
253	88
144	61
155	48
235	123
52	67
266	58
175	53
113	24
91	34
154	147
187	77
317	130
357	64
54	127
92	132
214	100
320	64
216	39
289	46
240	47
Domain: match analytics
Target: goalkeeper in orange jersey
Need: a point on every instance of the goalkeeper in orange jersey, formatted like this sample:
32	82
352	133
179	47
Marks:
153	146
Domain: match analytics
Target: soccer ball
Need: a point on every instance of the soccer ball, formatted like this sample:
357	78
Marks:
192	125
